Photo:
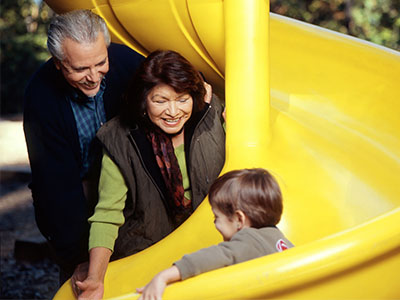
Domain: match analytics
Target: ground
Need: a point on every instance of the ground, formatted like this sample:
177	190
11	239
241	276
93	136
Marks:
26	270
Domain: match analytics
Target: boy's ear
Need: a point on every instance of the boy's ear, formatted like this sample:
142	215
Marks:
241	219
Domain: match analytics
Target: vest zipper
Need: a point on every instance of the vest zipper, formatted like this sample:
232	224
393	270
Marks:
146	170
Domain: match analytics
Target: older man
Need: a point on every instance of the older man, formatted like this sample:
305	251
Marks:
66	102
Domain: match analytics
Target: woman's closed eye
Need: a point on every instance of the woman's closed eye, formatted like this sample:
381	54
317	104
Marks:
160	101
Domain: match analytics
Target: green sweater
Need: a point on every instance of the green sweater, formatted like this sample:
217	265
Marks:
108	215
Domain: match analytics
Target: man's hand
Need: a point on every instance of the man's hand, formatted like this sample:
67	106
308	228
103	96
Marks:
80	274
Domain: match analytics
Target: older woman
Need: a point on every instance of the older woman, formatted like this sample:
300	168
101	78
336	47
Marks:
160	157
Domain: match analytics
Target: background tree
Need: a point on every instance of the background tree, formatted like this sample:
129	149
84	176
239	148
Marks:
377	21
23	27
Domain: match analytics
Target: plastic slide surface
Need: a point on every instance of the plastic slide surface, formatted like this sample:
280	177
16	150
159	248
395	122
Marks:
320	110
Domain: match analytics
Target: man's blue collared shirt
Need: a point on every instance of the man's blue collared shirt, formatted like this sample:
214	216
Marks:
89	115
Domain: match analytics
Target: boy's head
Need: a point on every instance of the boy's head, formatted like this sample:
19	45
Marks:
254	192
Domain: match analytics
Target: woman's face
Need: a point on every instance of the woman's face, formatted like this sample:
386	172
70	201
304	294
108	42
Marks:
167	109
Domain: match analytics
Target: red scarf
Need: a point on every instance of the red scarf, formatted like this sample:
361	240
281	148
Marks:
168	163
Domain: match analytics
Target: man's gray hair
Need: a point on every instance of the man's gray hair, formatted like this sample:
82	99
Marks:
82	26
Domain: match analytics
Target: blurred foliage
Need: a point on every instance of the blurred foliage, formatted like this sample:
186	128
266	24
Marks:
377	21
23	26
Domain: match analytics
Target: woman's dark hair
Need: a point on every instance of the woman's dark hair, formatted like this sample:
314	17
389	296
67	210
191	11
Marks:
253	191
161	67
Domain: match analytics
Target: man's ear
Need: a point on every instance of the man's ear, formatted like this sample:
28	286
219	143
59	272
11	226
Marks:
57	63
242	220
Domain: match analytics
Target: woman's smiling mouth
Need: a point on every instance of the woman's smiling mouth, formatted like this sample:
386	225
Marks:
172	121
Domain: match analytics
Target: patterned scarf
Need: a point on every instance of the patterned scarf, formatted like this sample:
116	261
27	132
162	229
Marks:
167	162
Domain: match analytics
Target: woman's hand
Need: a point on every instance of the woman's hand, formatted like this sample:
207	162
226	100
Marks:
208	95
92	289
155	288
93	286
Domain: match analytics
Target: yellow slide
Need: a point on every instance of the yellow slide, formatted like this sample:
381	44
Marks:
320	110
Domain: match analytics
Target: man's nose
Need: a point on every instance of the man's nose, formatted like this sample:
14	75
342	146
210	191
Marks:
93	75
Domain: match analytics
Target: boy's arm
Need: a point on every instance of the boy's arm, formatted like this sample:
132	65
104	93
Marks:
204	260
240	248
155	288
188	266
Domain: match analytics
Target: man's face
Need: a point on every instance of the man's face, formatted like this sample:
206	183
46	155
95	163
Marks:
84	65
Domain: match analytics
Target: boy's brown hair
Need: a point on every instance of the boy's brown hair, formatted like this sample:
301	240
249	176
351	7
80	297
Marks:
253	191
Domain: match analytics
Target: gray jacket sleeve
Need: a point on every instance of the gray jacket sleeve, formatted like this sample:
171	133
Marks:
224	254
248	243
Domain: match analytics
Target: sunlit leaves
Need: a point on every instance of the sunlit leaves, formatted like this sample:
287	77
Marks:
377	21
23	26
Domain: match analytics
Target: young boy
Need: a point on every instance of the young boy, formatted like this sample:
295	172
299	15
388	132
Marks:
247	204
